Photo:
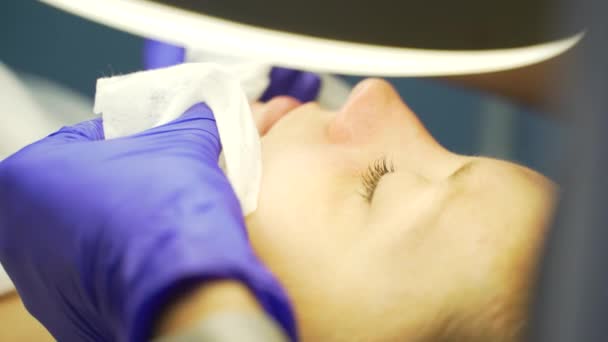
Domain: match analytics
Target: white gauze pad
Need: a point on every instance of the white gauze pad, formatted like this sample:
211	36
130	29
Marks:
135	102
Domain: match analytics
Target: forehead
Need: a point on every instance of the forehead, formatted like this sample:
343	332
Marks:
478	200
488	193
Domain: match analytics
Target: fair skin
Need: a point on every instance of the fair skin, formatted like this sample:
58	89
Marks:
445	238
443	245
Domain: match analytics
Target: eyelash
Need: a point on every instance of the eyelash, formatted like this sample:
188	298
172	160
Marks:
371	177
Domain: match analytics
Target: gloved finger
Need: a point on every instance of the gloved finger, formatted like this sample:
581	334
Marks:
157	54
302	85
265	115
90	130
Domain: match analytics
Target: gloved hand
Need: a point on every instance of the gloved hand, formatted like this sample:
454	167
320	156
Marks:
301	85
97	234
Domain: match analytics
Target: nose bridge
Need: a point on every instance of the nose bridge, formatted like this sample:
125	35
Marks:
377	120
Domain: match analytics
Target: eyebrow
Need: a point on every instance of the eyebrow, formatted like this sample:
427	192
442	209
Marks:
456	179
463	170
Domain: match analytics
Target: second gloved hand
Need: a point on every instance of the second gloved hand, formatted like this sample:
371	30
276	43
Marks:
97	234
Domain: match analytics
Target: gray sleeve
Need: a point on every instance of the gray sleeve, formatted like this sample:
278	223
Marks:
231	326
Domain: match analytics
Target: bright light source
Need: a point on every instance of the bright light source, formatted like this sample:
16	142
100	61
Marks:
180	27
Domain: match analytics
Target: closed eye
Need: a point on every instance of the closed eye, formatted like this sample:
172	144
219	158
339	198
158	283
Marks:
375	171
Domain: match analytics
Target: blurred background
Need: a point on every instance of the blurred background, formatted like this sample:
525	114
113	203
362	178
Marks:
46	47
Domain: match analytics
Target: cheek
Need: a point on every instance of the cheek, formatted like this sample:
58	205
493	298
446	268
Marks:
308	209
291	207
290	230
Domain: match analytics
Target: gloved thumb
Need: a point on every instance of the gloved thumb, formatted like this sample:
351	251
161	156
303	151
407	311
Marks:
195	128
90	130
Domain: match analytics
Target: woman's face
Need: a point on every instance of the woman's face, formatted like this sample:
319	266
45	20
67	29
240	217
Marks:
379	233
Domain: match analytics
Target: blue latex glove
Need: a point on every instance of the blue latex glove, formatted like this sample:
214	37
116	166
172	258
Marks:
97	234
304	86
158	54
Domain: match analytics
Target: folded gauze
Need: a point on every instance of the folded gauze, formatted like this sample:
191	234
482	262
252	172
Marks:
135	102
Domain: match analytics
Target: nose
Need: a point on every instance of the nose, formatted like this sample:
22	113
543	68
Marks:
373	108
373	87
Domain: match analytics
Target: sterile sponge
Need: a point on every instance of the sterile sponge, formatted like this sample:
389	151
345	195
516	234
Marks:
135	102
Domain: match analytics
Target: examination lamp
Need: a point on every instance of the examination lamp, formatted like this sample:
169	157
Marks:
380	38
431	38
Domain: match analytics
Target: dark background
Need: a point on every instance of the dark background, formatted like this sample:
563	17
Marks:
40	40
430	24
